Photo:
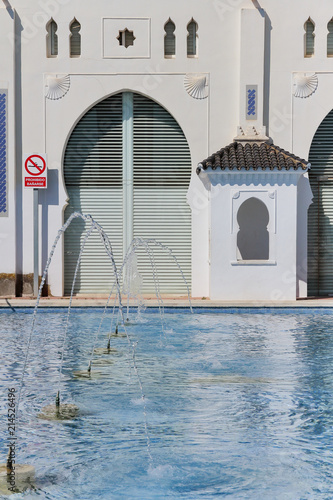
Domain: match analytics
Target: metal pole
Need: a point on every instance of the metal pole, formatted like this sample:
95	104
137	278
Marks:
36	247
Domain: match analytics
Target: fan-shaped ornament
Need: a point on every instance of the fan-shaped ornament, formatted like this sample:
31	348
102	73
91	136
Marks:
305	84
56	87
196	86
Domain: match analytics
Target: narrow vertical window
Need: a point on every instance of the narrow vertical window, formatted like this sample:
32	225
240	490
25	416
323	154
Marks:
75	39
192	42
52	39
309	38
169	39
330	39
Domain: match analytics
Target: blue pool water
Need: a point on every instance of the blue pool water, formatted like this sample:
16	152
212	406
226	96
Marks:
237	406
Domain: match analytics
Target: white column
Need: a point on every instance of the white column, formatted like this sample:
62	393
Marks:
127	169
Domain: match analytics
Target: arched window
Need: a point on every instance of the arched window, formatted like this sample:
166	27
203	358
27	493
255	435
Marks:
192	42
52	39
309	38
253	237
330	39
169	39
75	39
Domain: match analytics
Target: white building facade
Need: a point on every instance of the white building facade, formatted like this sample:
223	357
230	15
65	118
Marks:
125	99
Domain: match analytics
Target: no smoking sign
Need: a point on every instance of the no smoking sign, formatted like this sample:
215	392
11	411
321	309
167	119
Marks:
35	171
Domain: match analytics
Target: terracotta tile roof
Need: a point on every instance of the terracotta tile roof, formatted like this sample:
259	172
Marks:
246	156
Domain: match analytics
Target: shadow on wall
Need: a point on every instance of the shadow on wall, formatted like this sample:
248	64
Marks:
47	197
253	237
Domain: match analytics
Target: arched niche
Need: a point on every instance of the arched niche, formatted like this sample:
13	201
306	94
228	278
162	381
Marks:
253	236
253	213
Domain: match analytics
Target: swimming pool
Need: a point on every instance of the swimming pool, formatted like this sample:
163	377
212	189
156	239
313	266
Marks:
236	405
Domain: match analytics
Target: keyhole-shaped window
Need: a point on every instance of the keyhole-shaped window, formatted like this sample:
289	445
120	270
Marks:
52	39
253	236
75	39
126	38
169	39
309	38
192	42
330	39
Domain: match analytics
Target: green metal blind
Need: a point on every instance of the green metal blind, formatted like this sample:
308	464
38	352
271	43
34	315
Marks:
162	171
169	39
309	38
75	39
330	39
93	177
52	39
105	144
320	220
192	38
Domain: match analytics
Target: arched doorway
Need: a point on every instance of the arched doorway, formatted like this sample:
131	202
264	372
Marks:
320	220
127	163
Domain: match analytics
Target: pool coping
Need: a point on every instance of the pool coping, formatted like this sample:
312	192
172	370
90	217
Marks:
89	302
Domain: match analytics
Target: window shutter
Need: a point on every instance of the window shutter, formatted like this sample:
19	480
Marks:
309	38
157	152
330	39
162	171
320	218
192	38
75	39
93	177
169	39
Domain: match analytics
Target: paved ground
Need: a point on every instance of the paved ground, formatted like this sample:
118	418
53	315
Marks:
167	302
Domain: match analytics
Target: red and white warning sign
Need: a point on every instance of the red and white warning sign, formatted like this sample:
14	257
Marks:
35	171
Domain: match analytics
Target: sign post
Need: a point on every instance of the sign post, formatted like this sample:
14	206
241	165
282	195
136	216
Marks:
35	177
36	243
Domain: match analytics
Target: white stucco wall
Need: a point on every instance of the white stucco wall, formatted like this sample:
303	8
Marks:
233	278
7	222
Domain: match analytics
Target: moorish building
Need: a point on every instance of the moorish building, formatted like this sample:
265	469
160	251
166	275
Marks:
206	125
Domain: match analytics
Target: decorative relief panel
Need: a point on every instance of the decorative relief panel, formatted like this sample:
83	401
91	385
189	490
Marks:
57	86
3	153
196	85
251	102
305	84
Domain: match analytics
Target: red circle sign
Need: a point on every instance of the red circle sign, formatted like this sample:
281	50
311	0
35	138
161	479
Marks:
35	165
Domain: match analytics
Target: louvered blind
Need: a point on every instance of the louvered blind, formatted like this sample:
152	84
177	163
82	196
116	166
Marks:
93	177
309	38
192	39
169	39
93	170
330	39
320	217
162	170
75	39
53	38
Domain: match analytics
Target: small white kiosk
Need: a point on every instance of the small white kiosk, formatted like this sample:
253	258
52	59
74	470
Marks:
259	197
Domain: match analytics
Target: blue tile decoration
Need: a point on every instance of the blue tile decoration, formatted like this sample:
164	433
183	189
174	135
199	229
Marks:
251	102
3	153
